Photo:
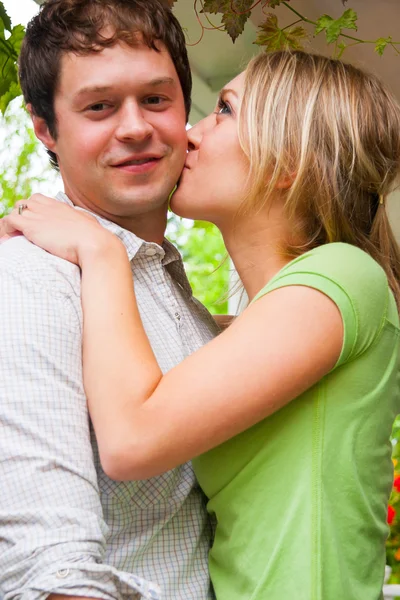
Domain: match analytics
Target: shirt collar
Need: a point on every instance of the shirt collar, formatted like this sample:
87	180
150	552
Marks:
133	244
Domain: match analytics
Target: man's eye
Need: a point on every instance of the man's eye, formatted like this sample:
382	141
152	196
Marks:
99	107
154	100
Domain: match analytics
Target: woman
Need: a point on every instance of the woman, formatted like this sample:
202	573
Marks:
288	413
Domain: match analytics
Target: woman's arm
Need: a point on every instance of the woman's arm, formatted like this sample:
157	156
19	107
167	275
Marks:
147	423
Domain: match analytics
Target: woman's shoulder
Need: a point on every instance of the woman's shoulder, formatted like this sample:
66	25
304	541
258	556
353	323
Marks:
340	257
352	279
351	268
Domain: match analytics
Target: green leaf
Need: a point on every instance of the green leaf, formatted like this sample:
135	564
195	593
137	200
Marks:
333	27
294	36
8	74
275	3
234	20
341	47
381	44
9	50
5	18
215	6
13	92
272	37
269	34
16	38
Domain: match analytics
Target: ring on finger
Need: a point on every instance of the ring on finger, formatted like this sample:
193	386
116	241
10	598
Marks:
21	208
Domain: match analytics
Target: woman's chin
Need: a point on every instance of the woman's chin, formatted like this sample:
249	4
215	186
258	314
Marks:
181	211
180	206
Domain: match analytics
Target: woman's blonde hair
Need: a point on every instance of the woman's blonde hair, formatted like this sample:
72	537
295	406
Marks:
333	131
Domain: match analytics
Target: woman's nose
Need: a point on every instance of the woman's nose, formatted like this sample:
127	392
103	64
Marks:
195	133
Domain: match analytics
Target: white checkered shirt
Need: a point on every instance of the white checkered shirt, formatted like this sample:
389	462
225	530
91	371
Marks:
65	527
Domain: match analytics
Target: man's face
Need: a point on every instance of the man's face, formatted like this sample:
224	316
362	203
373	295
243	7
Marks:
121	139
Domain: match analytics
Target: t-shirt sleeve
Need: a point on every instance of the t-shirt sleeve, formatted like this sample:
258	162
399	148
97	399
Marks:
353	281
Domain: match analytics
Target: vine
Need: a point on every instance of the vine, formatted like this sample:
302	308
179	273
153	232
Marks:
235	13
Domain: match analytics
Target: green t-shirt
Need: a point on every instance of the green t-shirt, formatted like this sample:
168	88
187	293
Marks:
301	498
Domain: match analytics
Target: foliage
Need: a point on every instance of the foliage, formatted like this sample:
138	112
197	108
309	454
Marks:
272	37
233	20
21	169
333	28
393	542
10	45
203	253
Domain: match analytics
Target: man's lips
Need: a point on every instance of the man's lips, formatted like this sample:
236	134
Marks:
138	164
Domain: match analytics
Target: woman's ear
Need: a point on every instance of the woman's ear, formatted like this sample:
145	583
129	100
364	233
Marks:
285	182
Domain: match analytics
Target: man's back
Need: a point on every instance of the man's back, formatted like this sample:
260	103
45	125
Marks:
157	529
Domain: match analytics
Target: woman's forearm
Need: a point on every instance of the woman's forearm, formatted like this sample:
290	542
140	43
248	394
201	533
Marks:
120	369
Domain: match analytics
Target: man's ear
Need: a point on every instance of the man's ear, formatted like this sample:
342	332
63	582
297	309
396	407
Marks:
41	130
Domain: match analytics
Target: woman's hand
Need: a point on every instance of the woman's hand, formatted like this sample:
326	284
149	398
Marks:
57	228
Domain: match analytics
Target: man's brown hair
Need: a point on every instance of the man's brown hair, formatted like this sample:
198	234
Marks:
78	26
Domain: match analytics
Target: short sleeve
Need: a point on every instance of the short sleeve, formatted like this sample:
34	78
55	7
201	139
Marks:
352	280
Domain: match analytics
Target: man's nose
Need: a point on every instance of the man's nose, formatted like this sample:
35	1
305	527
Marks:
133	125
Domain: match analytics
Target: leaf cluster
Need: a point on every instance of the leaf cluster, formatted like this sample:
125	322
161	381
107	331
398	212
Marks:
22	170
234	13
393	541
10	45
271	36
204	255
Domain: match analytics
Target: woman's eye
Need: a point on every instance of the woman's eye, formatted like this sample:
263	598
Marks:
223	108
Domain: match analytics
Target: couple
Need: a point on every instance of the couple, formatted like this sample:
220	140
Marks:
287	414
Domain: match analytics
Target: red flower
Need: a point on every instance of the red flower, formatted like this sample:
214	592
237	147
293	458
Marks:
391	514
396	484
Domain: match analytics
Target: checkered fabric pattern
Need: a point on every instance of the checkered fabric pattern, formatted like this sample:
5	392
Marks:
65	527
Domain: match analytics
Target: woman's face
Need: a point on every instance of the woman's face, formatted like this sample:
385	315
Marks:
213	181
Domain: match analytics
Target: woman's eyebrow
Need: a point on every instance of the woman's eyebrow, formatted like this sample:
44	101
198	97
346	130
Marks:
228	91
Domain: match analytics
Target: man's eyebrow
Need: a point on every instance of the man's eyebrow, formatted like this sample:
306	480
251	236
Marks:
101	89
162	81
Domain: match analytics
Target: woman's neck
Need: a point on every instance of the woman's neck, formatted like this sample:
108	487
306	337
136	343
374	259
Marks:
255	244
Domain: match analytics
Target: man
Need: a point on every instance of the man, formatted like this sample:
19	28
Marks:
107	83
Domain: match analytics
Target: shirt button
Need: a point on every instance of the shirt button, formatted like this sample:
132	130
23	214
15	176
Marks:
151	252
63	573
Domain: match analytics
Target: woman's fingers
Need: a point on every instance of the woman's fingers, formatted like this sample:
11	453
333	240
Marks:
55	226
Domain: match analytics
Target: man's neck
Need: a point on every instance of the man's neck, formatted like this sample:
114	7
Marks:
149	226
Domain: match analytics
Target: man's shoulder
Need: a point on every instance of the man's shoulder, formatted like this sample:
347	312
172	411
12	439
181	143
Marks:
27	262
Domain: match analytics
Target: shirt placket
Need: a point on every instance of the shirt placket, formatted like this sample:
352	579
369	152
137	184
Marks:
154	256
